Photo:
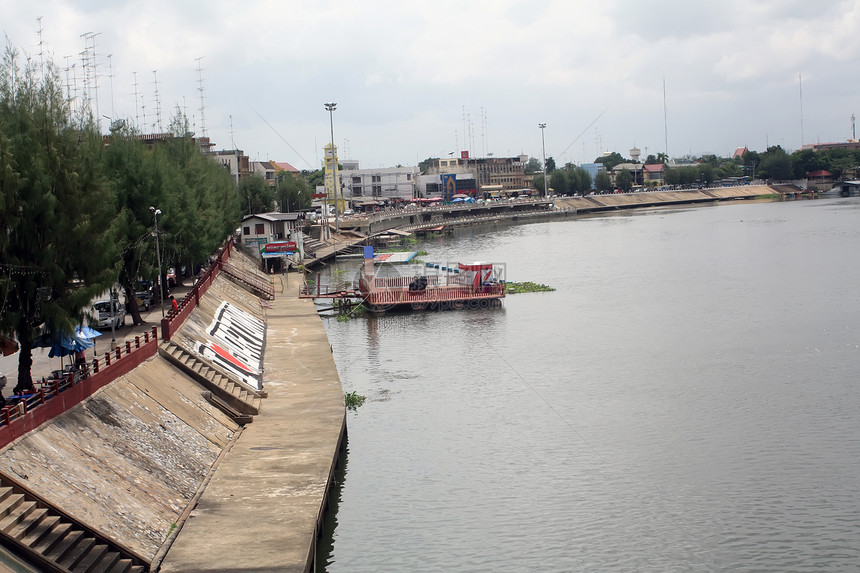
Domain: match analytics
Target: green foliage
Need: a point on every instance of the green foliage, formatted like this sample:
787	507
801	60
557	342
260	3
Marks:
56	210
537	183
624	180
353	400
533	165
611	160
292	193
256	195
527	286
558	181
579	181
602	181
424	166
775	164
76	212
550	165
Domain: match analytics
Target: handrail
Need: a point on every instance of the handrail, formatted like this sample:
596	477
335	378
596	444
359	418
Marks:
192	299
31	410
55	396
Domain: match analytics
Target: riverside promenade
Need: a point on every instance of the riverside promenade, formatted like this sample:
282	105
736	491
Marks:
263	507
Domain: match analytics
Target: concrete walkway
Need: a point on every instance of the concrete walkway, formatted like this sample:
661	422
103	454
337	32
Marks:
263	506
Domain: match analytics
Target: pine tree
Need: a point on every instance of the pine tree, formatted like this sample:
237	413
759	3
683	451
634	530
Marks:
58	248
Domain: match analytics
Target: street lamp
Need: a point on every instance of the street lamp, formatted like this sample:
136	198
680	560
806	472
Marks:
155	214
331	107
542	126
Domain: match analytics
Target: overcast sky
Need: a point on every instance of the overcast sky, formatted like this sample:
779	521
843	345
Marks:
424	79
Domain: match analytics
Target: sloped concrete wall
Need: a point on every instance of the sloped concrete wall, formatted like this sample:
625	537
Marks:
128	461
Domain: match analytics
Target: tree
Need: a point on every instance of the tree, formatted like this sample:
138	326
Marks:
533	165
603	181
558	182
537	183
775	164
292	193
256	195
423	166
58	245
550	164
611	160
579	180
316	178
624	180
672	177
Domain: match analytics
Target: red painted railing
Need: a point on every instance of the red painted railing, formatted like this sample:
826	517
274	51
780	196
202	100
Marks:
52	397
388	296
175	318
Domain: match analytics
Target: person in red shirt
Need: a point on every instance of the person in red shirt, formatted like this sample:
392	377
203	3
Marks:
173	304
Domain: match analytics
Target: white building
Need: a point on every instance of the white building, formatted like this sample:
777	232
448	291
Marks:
273	234
378	184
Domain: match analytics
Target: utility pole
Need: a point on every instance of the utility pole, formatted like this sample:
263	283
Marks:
334	183
155	214
542	126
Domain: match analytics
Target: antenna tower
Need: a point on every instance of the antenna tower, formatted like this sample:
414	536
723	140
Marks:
136	111
484	130
800	84
91	76
110	78
157	103
41	46
200	88
665	123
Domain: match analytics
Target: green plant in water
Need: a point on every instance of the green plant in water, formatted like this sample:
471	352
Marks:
353	400
527	286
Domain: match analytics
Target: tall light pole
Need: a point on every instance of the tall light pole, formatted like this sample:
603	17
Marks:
542	126
331	107
155	214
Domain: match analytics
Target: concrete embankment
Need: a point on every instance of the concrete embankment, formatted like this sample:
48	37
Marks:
263	506
141	455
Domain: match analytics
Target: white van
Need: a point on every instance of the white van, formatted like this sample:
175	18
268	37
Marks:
105	318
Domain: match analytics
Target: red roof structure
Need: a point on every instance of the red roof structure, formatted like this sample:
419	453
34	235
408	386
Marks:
283	166
740	152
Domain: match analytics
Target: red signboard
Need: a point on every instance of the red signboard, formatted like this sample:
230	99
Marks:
464	155
280	247
318	195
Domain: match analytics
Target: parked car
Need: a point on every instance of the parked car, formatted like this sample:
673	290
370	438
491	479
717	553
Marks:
105	318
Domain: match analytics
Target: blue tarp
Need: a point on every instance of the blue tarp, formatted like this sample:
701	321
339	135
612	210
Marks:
62	344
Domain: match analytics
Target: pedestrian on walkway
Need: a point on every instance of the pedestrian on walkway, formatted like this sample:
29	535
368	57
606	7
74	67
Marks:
174	306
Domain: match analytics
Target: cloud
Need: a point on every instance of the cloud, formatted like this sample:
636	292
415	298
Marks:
405	75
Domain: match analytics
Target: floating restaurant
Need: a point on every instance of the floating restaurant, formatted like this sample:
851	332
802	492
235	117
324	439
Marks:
432	287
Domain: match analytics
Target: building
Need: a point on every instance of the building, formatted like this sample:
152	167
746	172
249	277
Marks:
273	235
655	172
850	144
635	170
383	184
431	186
490	174
264	169
236	162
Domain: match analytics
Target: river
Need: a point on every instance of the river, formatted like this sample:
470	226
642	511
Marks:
688	399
